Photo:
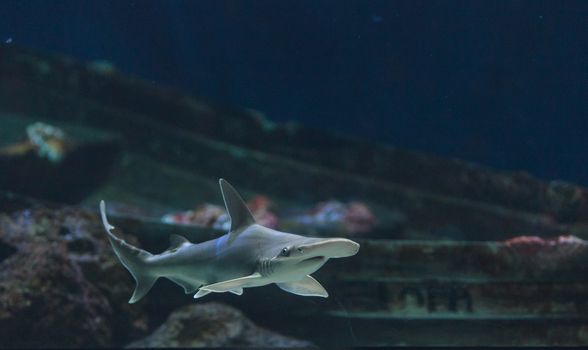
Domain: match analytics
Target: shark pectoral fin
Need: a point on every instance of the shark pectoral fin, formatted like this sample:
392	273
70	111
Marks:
230	285
237	291
307	286
236	208
188	287
201	293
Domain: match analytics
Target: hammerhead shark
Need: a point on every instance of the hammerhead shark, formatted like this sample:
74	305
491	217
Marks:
249	255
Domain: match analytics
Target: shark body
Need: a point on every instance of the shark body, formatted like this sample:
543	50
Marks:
249	255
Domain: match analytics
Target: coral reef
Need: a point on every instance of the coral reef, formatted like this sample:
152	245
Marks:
59	284
260	207
50	141
349	218
50	160
45	296
212	325
214	216
205	215
548	254
354	217
45	140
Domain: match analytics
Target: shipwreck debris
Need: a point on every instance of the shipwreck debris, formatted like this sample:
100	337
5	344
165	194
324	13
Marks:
447	267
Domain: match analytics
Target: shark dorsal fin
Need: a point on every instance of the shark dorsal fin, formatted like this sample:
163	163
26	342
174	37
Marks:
176	240
236	208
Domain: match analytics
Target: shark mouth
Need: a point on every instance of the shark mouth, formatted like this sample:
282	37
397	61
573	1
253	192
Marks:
313	259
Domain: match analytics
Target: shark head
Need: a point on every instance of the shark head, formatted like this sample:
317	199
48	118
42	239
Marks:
299	256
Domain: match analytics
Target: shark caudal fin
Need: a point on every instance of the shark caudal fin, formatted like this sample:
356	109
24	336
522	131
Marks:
133	258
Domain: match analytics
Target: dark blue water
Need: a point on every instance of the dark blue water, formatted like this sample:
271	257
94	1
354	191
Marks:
504	83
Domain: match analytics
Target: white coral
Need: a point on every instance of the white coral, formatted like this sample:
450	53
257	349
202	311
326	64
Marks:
40	134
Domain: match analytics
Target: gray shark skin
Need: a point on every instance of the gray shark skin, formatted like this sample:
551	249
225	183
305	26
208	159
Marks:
249	255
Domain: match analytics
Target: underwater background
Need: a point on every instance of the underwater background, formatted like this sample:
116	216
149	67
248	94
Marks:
447	138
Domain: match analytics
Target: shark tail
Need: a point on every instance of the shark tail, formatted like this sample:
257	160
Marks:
132	258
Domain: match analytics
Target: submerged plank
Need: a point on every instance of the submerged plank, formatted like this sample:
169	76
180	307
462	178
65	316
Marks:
460	301
468	262
402	332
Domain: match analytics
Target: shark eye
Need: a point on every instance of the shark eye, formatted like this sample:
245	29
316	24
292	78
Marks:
285	252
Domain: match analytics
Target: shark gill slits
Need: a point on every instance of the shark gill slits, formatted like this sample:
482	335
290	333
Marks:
265	267
262	267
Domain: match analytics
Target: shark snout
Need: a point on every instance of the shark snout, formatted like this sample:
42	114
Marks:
330	248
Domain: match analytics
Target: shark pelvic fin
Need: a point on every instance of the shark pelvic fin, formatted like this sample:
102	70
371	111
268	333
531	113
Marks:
175	241
307	286
144	284
201	293
236	208
233	285
237	291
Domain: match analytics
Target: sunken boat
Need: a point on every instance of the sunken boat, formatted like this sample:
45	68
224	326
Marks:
465	254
